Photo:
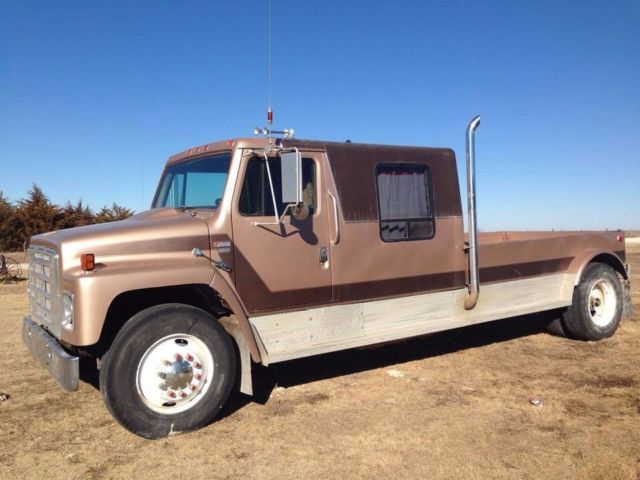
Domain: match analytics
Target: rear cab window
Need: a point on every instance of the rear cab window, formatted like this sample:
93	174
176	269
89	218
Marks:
405	202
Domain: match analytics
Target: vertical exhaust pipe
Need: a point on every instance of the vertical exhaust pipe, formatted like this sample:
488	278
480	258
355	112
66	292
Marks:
474	282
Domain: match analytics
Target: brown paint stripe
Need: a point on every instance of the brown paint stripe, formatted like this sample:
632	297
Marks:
398	286
520	270
264	300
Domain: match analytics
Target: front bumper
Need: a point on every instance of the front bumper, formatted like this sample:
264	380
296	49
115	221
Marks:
46	349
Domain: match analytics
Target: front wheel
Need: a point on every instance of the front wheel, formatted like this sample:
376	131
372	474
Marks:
170	369
597	304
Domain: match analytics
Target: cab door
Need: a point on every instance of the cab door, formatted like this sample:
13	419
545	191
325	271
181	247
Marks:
279	265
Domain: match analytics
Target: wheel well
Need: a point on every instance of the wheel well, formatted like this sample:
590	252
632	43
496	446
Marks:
127	304
612	261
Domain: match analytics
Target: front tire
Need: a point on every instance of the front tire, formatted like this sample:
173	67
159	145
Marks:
597	304
170	369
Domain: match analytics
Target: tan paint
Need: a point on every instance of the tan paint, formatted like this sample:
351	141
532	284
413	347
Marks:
151	249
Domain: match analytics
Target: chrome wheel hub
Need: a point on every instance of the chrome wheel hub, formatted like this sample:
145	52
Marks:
174	373
602	303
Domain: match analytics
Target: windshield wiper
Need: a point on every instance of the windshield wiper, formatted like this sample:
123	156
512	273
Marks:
191	211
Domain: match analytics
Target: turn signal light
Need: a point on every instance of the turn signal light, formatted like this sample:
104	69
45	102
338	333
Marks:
620	237
87	262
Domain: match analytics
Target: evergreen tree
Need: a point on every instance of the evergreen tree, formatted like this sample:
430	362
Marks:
8	242
76	215
35	214
113	213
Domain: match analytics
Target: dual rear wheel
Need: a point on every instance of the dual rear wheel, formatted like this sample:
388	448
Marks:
596	310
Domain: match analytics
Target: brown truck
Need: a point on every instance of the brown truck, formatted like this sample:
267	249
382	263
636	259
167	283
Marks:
271	249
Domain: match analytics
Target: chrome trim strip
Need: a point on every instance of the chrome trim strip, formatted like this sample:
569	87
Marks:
334	202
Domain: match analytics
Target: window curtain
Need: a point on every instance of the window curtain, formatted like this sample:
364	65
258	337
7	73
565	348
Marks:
402	194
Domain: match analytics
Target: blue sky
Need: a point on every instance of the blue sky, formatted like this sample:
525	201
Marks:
94	96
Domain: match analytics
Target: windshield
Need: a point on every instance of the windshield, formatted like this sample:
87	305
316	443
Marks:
195	183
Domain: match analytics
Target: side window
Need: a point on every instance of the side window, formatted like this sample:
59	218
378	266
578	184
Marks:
405	202
255	198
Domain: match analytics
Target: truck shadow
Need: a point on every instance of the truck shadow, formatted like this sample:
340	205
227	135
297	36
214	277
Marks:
337	364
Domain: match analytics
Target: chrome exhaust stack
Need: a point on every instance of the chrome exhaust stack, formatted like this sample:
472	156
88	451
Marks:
474	282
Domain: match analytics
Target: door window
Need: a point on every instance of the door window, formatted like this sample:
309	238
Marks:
255	198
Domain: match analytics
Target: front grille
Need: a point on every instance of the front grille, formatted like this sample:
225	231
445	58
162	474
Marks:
44	288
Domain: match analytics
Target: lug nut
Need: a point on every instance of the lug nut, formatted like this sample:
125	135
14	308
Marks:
183	394
193	387
172	394
162	375
178	357
198	365
162	386
198	376
190	358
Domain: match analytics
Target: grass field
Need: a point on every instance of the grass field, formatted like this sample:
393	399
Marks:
453	405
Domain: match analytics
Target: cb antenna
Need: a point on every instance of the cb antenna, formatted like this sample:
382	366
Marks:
269	109
268	130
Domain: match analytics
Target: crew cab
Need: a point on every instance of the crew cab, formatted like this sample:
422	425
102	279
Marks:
261	250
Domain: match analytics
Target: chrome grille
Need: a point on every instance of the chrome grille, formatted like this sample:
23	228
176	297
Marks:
44	288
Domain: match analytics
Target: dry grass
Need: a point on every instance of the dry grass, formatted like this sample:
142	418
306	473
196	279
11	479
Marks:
20	257
457	407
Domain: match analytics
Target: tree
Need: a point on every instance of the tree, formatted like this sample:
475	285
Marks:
35	214
113	213
76	215
8	241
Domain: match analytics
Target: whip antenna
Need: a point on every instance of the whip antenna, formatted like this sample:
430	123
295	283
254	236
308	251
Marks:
268	130
269	109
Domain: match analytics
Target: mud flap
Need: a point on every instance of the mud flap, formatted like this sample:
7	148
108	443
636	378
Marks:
627	306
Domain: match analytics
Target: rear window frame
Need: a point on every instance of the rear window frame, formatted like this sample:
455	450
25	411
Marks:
430	199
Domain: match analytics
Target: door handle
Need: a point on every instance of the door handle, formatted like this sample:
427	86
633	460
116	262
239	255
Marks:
324	254
336	238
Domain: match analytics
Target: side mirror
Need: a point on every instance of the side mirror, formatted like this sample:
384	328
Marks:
291	167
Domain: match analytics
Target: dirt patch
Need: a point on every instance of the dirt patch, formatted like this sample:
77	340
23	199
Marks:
460	409
611	381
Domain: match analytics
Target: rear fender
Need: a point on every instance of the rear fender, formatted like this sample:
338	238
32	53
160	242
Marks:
581	261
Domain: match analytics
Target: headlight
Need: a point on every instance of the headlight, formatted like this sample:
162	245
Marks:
67	311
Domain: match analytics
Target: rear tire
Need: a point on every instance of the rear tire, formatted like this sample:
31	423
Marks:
170	369
597	304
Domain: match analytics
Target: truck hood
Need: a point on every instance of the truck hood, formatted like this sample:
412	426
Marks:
158	233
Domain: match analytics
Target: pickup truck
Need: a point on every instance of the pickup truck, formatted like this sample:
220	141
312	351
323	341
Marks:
261	250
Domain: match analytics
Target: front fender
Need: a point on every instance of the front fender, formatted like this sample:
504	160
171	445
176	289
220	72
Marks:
95	291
